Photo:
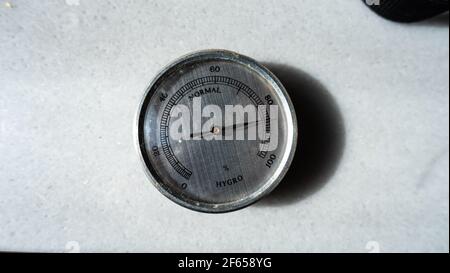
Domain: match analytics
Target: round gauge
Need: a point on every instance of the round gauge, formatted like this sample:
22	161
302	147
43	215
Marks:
216	131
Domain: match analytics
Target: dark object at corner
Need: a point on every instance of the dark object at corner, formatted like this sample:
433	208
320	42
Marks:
408	11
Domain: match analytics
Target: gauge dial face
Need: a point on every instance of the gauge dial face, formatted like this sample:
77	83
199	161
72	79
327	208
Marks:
216	131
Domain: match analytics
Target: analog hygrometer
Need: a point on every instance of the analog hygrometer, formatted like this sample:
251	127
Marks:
216	131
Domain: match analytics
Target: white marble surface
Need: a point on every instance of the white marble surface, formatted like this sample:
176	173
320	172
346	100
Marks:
72	74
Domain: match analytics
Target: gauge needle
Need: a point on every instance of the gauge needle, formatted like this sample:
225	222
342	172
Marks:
201	134
238	126
216	130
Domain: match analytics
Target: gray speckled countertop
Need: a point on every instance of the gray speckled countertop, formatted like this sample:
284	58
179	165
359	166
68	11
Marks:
72	74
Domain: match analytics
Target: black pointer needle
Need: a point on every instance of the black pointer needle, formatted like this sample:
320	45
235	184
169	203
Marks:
203	133
235	126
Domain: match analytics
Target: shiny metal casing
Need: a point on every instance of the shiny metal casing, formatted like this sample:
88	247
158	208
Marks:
208	161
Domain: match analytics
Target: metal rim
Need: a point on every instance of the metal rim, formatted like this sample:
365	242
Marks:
200	56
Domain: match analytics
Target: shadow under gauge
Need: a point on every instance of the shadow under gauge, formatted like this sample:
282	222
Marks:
321	137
